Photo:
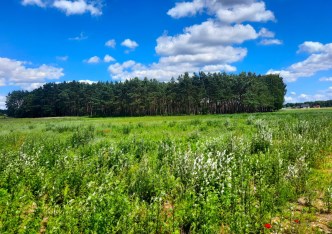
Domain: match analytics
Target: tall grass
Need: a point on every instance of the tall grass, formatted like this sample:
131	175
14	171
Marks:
207	174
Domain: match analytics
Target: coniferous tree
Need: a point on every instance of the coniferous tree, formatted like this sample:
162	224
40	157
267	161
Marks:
211	93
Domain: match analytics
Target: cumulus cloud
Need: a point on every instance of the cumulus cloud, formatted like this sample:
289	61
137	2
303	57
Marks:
130	44
227	11
203	47
208	56
218	68
39	3
197	39
108	59
264	32
93	60
87	81
311	47
14	72
69	7
3	102
110	43
289	99
270	42
31	86
254	12
77	7
131	69
320	59
210	46
321	95
268	37
161	71
183	9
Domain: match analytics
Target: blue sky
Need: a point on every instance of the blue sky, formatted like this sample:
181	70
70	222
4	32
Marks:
113	40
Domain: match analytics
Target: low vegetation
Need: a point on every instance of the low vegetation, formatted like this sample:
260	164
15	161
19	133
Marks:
243	173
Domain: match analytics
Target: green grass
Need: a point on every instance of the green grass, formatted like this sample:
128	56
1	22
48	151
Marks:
181	174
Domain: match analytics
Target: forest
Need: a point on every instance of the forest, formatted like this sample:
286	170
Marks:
211	93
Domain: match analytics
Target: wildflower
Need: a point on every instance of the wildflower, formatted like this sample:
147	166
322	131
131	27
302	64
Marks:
296	220
267	225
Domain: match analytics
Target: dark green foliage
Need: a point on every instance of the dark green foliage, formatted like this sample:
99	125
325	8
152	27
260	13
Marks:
202	93
82	136
126	130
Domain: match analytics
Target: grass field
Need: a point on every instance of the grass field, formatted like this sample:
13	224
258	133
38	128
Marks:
245	173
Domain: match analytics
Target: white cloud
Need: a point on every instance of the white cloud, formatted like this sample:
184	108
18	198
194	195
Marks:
30	86
62	58
131	69
2	82
93	60
183	9
204	47
289	99
77	7
205	44
321	95
218	68
264	32
268	37
329	79
3	102
293	93
319	60
311	47
210	46
227	11
254	12
81	37
130	44
110	43
87	81
14	72
206	36
39	3
108	58
69	7
208	56
270	42
160	71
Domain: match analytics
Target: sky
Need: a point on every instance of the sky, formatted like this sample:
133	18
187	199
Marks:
113	40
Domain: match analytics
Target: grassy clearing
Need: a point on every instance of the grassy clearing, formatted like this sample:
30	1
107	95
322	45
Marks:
182	174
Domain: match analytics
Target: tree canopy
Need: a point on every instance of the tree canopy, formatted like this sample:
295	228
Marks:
211	93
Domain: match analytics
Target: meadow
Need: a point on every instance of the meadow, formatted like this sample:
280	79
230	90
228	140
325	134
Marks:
241	173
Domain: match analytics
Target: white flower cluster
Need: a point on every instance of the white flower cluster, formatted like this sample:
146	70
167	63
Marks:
208	167
299	168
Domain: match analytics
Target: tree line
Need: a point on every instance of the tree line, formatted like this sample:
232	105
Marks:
327	103
202	93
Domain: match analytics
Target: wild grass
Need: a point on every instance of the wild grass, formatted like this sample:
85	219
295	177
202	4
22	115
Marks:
183	174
